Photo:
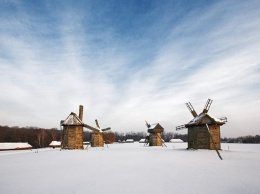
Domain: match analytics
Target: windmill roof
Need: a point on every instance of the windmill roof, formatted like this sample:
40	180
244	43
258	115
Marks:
153	126
72	119
201	119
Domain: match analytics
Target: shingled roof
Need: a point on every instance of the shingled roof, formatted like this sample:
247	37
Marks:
204	118
155	128
72	119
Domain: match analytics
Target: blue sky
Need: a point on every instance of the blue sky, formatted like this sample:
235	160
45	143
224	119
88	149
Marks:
130	61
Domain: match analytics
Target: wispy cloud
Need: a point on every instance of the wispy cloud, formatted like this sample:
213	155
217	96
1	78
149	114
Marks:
142	67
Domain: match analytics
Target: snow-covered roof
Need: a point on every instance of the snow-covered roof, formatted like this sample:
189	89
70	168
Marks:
72	119
16	145
176	141
156	127
204	118
55	143
129	140
142	141
153	126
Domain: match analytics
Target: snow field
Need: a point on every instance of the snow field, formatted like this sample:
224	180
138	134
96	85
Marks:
131	168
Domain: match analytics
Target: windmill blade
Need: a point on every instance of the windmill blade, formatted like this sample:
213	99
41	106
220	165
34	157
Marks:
207	105
61	122
106	129
91	128
191	109
97	123
147	124
224	119
180	127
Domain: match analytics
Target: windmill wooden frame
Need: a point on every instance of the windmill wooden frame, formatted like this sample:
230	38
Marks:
72	132
72	136
203	129
155	131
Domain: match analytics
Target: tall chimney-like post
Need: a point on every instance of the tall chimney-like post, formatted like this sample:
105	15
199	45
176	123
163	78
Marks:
81	112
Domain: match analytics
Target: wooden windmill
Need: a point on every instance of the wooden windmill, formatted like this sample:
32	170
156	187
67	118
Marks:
72	136
97	135
155	131
72	133
203	129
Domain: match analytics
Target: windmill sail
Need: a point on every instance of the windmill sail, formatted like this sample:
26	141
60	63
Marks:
106	129
190	107
97	123
180	127
207	105
147	124
91	128
224	119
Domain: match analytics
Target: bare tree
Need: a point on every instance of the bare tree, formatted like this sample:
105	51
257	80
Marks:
53	133
41	135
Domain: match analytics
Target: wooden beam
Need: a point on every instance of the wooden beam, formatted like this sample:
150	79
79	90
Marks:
91	128
214	143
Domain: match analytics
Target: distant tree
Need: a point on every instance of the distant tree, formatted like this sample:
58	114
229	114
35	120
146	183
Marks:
53	133
86	136
39	137
167	136
136	136
183	137
109	137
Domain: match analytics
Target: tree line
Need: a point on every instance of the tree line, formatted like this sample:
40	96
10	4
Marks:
42	137
242	139
35	136
136	136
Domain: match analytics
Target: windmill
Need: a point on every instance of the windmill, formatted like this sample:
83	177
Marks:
155	131
203	129
72	135
97	134
72	132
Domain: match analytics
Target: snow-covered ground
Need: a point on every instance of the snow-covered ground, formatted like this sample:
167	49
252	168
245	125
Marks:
132	169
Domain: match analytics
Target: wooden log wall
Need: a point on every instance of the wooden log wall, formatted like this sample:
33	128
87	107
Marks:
97	140
191	138
202	137
73	137
199	138
215	133
155	139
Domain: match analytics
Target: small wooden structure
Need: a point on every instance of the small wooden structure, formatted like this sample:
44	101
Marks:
176	141
72	137
5	146
129	141
55	144
155	131
203	129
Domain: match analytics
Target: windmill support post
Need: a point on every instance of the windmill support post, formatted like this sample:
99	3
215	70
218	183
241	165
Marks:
214	143
146	140
162	141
